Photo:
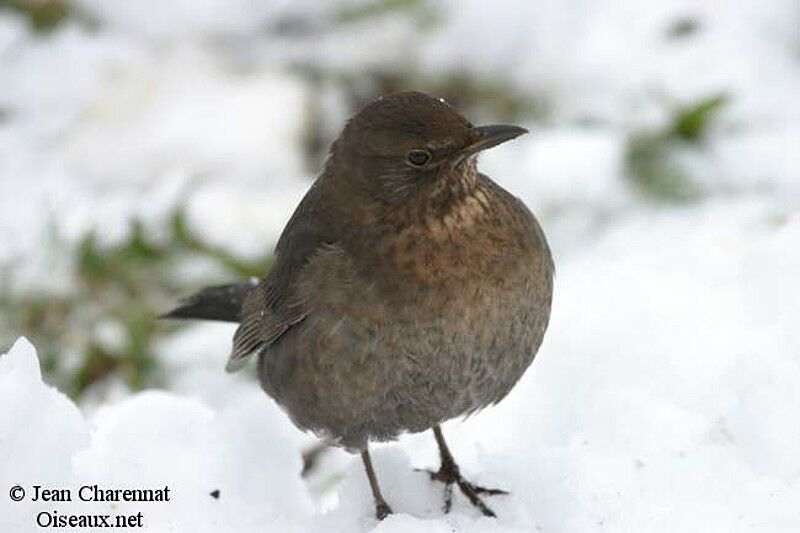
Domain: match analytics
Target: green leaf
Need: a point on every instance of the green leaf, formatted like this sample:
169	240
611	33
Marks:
693	120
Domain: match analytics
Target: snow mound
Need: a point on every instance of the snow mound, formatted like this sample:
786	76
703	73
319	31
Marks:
149	440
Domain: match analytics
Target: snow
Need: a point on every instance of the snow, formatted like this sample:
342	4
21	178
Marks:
204	19
149	440
102	128
665	396
597	58
31	411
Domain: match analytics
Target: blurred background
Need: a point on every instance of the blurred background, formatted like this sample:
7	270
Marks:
148	148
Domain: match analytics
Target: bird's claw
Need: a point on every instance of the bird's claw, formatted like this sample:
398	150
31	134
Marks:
450	475
382	510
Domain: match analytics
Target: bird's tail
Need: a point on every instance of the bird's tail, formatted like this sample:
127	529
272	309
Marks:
221	302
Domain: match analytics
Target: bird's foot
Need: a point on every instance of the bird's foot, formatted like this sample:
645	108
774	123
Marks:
450	475
382	510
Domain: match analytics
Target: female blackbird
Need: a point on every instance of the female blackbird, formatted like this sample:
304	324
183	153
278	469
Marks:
408	288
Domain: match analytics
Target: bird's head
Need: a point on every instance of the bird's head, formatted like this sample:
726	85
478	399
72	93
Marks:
408	142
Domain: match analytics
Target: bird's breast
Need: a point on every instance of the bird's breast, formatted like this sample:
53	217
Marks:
474	238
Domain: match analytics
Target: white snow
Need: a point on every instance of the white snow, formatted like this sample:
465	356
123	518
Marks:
665	397
149	440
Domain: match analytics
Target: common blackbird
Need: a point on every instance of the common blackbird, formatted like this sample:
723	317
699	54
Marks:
408	288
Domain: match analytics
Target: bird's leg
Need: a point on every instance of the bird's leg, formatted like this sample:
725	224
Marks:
449	474
382	509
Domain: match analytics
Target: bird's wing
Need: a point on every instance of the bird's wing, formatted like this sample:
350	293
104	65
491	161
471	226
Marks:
272	307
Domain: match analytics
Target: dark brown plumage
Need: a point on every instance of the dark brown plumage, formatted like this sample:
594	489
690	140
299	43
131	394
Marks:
408	288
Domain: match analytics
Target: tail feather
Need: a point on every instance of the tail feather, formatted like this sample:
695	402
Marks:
221	302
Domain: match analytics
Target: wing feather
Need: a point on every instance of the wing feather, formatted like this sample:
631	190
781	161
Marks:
272	307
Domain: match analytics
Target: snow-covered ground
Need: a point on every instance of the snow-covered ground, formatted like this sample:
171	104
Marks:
665	397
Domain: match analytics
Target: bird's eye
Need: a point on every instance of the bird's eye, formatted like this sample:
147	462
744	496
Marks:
418	158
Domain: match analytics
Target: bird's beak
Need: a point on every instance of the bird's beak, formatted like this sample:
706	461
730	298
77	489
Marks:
485	137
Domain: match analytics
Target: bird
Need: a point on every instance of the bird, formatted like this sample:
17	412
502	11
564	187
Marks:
408	288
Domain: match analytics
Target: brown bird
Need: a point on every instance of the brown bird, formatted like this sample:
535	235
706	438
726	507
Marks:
408	288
